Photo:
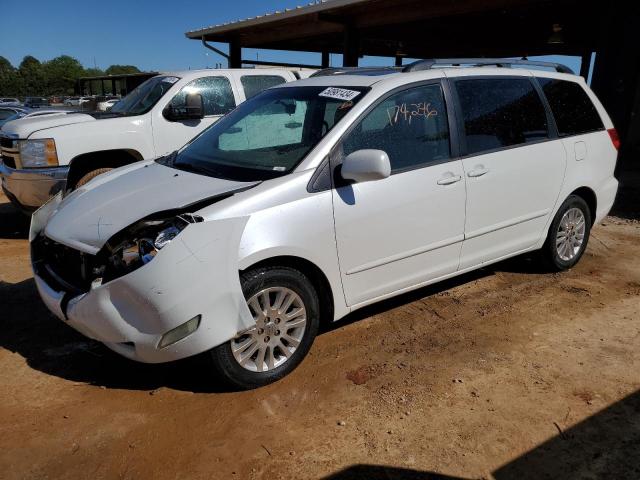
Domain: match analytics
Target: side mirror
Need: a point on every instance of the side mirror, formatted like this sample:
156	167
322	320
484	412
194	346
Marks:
366	165
193	109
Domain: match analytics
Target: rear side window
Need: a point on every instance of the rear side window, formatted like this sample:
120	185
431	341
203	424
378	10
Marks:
254	84
216	92
500	112
410	126
571	106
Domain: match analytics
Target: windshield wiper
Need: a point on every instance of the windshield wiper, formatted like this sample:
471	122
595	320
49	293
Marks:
189	167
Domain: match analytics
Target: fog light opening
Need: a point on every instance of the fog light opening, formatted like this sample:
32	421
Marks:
180	332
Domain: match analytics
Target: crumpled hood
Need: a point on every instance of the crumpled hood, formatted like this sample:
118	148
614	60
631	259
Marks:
23	127
88	217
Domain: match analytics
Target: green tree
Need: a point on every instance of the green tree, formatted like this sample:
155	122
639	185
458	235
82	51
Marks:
9	79
57	76
60	75
121	69
32	76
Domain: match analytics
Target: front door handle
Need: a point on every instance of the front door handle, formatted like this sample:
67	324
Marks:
449	180
478	171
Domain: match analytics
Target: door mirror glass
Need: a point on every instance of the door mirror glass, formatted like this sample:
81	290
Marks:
366	165
192	109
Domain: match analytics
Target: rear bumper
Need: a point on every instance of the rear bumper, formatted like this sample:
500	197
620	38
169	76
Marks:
28	189
193	275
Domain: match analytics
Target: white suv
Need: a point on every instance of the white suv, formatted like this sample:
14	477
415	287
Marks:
319	197
42	156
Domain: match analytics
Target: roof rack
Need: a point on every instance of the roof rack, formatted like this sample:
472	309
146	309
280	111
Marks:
498	62
369	71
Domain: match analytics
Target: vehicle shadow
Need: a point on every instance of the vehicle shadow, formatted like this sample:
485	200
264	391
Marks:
605	445
49	346
13	223
523	264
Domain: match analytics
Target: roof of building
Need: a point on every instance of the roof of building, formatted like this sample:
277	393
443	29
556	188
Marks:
420	29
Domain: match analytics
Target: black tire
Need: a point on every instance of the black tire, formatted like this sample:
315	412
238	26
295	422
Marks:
87	177
549	251
252	282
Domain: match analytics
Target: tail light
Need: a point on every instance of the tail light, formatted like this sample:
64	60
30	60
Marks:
615	139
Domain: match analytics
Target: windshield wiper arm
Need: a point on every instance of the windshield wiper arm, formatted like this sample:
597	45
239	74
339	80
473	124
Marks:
190	167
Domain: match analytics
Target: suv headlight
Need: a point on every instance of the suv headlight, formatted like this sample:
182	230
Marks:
138	245
38	153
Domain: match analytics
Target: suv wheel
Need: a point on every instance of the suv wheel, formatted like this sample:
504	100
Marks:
568	234
285	307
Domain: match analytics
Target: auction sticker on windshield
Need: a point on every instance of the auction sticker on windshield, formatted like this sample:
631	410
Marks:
339	93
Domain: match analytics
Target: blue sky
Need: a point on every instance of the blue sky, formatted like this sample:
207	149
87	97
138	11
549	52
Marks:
145	33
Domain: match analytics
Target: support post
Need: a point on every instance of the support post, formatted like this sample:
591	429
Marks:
325	59
398	61
235	54
585	64
351	46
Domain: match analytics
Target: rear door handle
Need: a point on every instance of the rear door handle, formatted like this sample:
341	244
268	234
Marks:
478	172
449	180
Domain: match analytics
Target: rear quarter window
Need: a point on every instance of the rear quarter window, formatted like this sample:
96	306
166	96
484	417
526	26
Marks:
572	108
254	84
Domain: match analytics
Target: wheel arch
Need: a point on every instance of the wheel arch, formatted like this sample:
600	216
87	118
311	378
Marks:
316	276
589	196
86	162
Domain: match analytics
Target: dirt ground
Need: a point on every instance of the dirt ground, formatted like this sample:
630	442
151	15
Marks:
505	373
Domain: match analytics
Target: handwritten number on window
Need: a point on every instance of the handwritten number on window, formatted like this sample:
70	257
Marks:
400	113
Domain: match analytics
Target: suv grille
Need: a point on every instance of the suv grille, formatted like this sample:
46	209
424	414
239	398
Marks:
8	153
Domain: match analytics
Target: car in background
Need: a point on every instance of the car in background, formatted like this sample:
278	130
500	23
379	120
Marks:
76	101
36	102
9	102
106	105
8	114
43	156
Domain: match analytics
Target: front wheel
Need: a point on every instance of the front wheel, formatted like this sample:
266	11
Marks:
285	307
568	234
87	177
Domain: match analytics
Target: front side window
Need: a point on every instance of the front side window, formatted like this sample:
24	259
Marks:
268	135
571	107
216	92
254	84
500	112
410	126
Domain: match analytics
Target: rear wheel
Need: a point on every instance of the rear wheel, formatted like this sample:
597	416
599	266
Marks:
568	234
285	308
87	177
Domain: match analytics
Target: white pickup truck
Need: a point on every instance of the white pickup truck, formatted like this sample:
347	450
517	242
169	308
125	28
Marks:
44	155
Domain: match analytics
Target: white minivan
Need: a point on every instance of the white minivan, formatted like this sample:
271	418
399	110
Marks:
42	156
321	196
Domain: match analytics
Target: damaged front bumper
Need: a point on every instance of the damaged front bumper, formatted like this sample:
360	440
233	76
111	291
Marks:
194	275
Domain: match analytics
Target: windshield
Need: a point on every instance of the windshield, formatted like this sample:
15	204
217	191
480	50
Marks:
144	97
268	135
13	116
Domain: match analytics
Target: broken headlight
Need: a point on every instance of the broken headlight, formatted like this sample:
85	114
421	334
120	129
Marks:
139	244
